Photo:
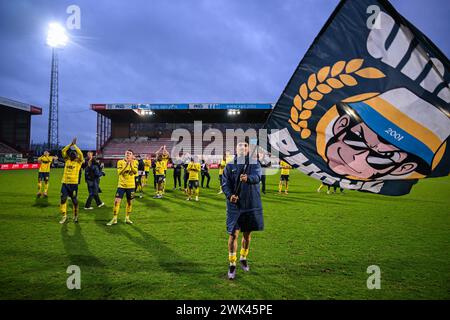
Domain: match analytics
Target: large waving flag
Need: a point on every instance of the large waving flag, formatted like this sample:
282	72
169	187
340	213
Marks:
368	107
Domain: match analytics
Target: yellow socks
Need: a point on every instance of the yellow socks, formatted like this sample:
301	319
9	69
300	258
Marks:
45	187
128	210
116	209
197	191
244	254
232	258
63	209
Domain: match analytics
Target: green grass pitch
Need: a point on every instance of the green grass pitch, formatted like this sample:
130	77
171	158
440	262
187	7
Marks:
315	246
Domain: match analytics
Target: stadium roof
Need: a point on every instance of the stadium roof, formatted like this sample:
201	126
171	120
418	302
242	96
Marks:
20	106
182	106
184	112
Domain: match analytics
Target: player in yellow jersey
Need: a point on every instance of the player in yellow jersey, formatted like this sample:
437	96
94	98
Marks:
138	177
147	165
73	158
165	159
285	167
228	156
127	170
222	166
193	169
323	184
159	176
45	162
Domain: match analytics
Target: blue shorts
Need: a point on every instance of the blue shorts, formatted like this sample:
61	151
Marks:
43	176
128	191
245	221
284	177
69	190
160	178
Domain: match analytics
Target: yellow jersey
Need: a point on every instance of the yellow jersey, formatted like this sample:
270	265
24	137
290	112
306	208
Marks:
165	159
126	172
194	169
159	168
222	166
147	164
285	168
72	168
45	162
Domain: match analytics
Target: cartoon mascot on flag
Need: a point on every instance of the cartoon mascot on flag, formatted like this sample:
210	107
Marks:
390	136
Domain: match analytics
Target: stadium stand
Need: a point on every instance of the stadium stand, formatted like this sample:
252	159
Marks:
7	149
15	129
115	147
144	128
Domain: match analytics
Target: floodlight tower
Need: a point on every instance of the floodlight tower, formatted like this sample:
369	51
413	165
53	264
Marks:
56	39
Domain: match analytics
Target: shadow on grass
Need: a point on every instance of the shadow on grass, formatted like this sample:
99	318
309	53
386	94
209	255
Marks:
41	203
77	249
170	261
182	202
149	201
78	253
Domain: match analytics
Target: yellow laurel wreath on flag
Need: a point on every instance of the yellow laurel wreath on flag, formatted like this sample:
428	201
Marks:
323	82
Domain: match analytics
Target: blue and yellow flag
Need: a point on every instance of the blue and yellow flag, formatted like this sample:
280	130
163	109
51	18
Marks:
368	107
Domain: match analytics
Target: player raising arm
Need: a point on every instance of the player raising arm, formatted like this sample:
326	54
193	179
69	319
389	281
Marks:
165	159
73	158
159	177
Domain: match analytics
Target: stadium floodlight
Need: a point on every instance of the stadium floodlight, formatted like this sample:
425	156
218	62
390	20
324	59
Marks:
233	112
56	36
147	113
56	39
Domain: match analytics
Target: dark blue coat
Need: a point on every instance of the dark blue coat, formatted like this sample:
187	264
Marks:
247	214
92	174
